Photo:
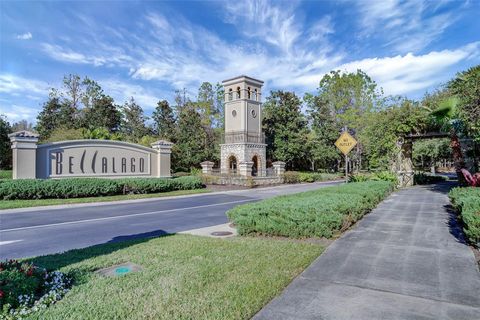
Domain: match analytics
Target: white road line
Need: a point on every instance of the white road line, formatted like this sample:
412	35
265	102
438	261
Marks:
124	216
2	243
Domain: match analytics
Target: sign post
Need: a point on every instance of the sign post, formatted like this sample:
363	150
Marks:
345	144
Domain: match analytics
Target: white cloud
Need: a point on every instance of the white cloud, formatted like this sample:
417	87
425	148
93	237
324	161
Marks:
12	84
408	73
274	44
406	25
109	56
122	91
24	36
15	113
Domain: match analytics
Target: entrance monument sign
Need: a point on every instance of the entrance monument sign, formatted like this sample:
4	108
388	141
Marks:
87	158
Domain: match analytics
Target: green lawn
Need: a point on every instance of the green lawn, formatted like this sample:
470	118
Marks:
5	174
11	204
183	277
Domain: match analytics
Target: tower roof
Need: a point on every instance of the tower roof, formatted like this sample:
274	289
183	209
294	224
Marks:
242	78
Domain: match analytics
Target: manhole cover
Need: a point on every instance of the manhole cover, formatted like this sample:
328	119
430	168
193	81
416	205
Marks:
221	233
119	270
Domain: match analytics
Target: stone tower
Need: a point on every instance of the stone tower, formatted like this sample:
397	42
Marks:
244	150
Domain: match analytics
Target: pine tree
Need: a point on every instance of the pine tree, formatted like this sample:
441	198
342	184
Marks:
191	145
285	128
5	151
164	121
50	117
103	114
133	121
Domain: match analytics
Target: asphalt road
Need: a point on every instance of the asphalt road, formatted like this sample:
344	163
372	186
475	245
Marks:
38	231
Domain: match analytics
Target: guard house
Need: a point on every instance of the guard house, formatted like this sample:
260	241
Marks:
244	150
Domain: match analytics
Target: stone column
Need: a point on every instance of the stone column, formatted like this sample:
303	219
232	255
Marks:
164	151
207	167
245	168
404	163
279	168
24	149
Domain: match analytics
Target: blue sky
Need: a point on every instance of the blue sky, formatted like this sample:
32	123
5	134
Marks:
149	49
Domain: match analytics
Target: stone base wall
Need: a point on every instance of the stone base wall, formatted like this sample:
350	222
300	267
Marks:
243	152
242	181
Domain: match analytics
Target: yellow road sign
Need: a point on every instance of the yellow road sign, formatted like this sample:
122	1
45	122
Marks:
346	143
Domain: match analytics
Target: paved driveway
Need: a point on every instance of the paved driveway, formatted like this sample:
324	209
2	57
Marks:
38	231
405	260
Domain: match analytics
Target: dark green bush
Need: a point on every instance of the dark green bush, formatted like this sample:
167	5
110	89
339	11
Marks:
17	279
154	185
61	188
181	174
291	177
423	178
5	174
320	213
376	176
317	176
92	187
467	202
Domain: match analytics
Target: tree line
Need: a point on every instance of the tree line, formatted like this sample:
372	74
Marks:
300	131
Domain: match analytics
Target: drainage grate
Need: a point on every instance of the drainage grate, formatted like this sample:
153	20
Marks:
221	233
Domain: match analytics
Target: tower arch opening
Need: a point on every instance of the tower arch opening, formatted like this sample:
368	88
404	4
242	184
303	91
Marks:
232	164
255	166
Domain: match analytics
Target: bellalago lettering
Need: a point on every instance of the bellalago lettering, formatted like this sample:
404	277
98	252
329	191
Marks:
107	164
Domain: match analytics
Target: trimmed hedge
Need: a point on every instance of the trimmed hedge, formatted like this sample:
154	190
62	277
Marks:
376	176
467	202
424	178
92	187
152	185
321	213
303	176
5	174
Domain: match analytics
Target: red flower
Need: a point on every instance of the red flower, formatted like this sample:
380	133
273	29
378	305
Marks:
1	294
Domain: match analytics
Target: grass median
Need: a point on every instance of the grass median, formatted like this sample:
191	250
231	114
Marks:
183	277
324	212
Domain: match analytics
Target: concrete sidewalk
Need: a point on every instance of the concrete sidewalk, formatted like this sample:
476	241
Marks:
405	260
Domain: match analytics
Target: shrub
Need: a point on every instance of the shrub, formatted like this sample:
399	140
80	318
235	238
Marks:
291	177
319	213
61	188
26	288
316	176
467	202
195	171
423	178
359	177
307	177
155	185
5	174
377	176
181	174
187	183
210	179
92	187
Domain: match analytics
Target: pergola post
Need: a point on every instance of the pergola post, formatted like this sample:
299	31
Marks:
404	165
